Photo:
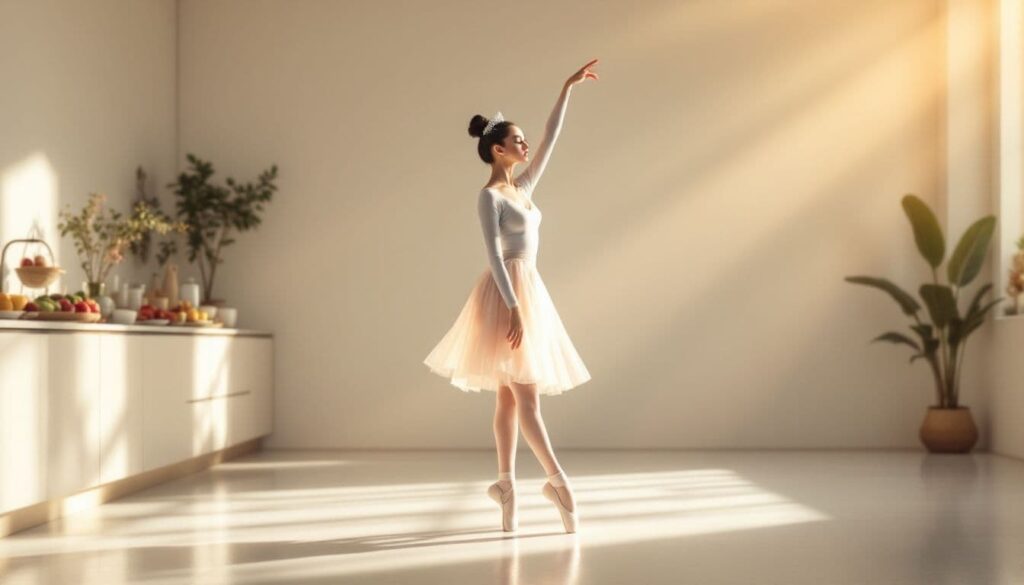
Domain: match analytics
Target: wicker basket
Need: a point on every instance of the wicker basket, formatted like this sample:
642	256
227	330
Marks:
38	276
32	276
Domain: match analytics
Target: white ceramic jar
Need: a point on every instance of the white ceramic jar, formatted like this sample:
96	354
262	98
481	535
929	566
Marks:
190	292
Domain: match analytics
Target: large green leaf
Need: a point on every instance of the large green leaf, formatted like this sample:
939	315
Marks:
928	341
979	318
895	337
966	261
940	302
907	302
927	232
924	330
977	300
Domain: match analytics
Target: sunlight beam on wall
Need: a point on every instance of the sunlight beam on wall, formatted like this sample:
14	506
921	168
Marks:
28	208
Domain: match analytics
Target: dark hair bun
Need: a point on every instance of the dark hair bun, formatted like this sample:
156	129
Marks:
477	125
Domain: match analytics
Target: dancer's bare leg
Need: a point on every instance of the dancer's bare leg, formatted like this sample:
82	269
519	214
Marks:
506	431
536	435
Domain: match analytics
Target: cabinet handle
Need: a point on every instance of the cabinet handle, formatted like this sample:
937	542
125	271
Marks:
220	396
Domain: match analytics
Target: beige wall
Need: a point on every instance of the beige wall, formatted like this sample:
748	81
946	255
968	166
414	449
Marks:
975	189
1006	334
706	198
87	93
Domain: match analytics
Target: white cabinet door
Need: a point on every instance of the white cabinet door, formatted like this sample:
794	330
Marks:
263	387
212	374
167	388
121	378
72	412
22	428
251	386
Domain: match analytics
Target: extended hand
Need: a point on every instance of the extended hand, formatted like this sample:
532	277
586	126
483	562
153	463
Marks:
515	330
582	74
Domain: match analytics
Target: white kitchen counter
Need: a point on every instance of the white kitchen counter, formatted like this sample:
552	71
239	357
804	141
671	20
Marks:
64	327
86	404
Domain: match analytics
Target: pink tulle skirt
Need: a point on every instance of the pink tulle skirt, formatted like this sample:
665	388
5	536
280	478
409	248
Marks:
475	354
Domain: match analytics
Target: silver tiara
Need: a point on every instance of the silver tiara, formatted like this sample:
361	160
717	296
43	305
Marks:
494	121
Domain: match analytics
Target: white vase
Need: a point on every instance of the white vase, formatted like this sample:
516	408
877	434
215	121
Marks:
107	305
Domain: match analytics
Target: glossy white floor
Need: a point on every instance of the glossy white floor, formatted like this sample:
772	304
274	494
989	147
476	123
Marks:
302	517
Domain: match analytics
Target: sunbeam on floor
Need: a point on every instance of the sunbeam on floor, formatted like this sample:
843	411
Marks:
646	517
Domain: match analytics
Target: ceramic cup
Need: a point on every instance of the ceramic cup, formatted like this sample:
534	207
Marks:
135	297
229	315
123	316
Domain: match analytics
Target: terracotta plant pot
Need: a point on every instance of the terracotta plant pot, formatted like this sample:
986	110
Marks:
949	430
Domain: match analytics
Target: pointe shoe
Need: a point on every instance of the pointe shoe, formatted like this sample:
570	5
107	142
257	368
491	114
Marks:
569	519
507	500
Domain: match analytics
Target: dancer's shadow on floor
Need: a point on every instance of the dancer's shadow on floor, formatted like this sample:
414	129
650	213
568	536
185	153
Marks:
384	542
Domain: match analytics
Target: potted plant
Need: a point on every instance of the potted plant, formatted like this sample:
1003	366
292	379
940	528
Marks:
948	426
213	213
100	239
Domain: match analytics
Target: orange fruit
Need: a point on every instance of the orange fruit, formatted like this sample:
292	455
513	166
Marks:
19	302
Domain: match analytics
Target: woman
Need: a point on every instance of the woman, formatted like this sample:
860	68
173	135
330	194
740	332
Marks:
508	338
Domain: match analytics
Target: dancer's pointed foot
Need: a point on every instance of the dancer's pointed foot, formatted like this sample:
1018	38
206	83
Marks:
565	504
505	496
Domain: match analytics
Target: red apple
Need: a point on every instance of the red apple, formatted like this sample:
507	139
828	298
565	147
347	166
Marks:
32	307
81	307
27	262
66	306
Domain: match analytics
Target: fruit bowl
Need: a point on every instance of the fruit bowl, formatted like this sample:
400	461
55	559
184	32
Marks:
153	322
207	323
38	276
65	316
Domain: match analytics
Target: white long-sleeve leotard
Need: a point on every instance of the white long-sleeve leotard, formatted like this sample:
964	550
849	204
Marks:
511	229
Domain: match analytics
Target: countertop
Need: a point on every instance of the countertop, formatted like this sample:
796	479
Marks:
66	327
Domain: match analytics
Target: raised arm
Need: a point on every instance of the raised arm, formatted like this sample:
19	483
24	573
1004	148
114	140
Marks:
488	210
542	153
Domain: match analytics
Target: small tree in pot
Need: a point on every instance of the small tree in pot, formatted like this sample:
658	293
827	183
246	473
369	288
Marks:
948	427
213	213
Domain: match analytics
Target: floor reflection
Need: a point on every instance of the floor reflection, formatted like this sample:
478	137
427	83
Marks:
658	517
559	568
